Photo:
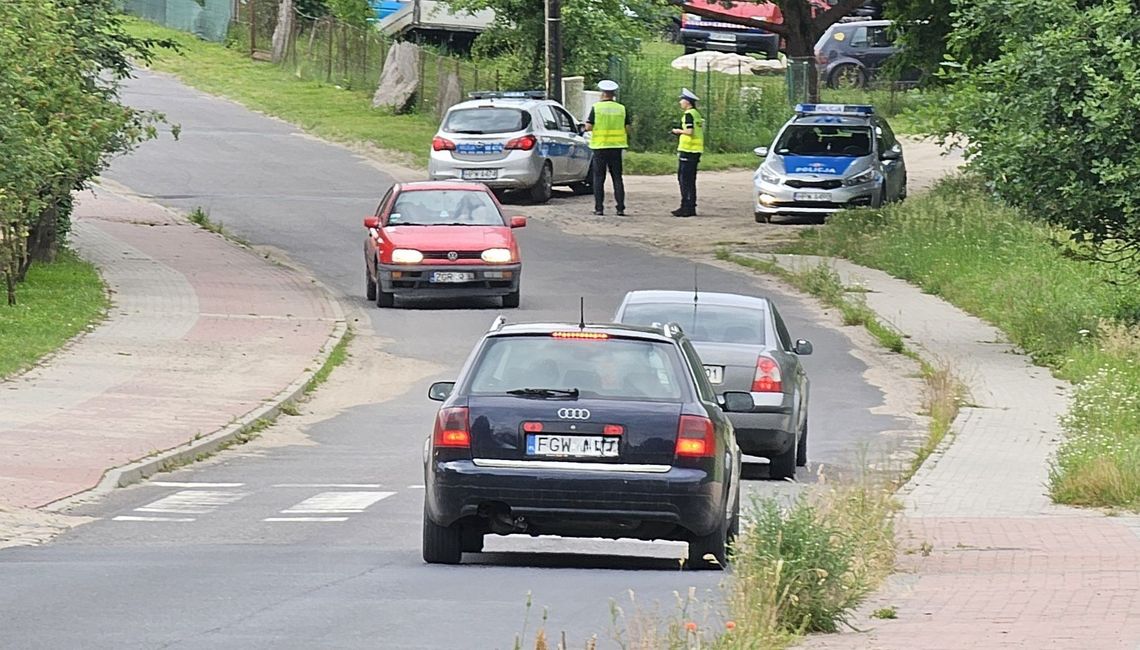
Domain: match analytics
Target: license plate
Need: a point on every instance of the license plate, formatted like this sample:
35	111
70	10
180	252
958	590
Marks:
812	196
480	174
478	149
722	37
452	276
567	445
715	373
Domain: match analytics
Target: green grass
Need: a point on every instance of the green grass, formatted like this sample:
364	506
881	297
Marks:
55	302
337	357
1077	317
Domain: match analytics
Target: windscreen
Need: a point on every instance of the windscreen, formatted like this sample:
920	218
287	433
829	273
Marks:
704	324
445	207
825	140
601	368
479	121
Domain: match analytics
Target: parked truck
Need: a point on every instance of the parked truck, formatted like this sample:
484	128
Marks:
431	21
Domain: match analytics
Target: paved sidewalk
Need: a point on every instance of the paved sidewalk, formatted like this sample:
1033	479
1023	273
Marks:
988	561
201	334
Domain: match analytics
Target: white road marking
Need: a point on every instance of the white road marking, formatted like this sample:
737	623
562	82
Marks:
181	484
329	485
192	502
312	519
415	487
336	503
133	518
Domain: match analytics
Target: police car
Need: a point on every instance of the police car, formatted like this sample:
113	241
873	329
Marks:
513	140
582	431
826	158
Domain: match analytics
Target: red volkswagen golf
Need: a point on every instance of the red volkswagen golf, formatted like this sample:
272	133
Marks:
441	240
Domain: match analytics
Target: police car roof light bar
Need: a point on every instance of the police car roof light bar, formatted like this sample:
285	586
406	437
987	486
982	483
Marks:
507	94
835	109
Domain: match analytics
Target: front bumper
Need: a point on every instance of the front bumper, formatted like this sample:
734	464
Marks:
730	41
416	280
516	171
771	199
613	503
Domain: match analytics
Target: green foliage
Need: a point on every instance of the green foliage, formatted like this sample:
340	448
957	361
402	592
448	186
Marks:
353	12
593	31
1053	120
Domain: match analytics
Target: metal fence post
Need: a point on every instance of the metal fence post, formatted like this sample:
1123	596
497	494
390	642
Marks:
329	62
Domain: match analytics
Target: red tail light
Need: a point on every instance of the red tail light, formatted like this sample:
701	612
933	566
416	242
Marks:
767	378
442	144
525	143
532	427
613	430
451	428
695	437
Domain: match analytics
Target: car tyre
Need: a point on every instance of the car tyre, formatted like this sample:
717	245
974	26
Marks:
714	544
763	218
543	189
783	467
441	544
472	540
369	286
582	188
847	76
384	299
801	446
511	300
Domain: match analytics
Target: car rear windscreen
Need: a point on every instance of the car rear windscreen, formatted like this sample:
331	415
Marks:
609	368
825	140
705	323
480	121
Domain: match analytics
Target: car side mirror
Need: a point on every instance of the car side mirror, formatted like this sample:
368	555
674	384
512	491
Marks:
371	222
803	348
761	151
891	154
736	401
518	222
440	390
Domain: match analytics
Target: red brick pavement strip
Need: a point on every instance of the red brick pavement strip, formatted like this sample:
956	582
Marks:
200	334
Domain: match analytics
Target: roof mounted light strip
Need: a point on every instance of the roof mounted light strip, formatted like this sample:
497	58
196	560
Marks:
862	110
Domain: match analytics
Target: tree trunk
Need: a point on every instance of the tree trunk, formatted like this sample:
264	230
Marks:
284	30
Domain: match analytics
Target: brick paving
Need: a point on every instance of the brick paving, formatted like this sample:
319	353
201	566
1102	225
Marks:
987	560
200	333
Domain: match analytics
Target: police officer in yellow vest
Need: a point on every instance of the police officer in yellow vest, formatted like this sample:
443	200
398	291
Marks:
690	145
608	124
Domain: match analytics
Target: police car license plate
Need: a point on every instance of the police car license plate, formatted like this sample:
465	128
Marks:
811	196
577	446
479	149
480	174
715	373
452	276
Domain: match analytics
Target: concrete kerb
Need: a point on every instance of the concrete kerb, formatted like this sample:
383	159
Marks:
191	451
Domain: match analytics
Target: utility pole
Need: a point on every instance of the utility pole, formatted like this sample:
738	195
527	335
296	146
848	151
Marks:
554	49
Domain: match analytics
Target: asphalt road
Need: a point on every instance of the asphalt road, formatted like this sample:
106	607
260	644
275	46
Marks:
223	570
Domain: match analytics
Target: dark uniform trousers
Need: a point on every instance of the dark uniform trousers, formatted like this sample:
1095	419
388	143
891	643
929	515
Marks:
608	159
687	177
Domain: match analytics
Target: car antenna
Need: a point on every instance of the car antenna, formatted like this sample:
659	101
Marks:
581	312
696	295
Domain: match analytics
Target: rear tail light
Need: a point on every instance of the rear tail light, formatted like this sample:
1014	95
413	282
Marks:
695	437
613	430
767	378
442	144
525	143
532	427
451	428
591	336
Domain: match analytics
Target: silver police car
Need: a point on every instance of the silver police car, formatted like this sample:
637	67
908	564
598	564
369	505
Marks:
515	140
826	158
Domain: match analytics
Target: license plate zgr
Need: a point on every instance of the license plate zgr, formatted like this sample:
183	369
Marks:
565	446
451	276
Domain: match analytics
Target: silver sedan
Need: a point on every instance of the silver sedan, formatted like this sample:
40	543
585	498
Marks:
744	346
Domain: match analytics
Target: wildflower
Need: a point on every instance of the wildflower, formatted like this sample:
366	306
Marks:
691	626
730	625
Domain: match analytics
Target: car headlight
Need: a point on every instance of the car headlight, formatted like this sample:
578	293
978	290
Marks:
497	255
407	256
769	176
862	177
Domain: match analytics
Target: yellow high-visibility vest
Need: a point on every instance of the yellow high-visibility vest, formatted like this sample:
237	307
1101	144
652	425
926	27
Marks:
608	131
692	143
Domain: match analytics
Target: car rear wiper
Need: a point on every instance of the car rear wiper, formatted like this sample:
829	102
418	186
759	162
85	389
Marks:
470	132
572	393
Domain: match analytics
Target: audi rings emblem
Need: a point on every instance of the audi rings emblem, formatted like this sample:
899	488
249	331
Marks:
574	414
453	256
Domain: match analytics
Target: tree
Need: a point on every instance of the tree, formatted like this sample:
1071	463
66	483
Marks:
592	32
1053	124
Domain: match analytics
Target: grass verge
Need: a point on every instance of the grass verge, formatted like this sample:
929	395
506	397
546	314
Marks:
335	113
55	302
1076	317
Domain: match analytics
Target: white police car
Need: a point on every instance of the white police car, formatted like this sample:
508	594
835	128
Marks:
826	158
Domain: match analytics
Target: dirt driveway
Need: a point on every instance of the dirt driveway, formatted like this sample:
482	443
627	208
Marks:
724	203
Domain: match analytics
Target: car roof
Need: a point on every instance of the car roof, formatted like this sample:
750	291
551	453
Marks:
833	120
706	297
865	23
502	102
414	186
612	329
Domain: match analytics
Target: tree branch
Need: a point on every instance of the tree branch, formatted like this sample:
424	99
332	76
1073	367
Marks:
734	20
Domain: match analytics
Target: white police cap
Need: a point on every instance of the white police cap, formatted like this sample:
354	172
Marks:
607	85
688	94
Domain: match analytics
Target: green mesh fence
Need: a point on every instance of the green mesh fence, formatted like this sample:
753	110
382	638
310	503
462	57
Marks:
206	19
